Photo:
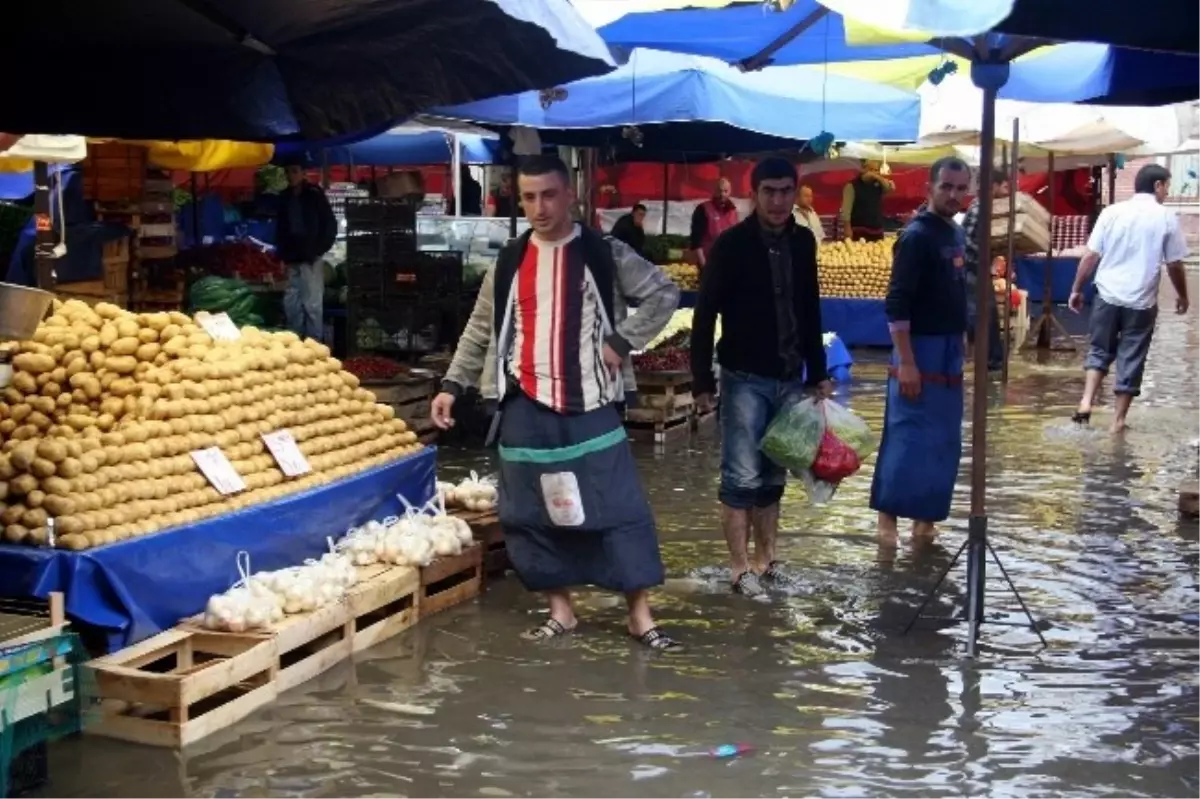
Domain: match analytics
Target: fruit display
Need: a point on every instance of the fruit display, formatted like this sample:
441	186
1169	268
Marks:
234	259
686	276
659	248
373	367
855	269
106	410
663	359
677	329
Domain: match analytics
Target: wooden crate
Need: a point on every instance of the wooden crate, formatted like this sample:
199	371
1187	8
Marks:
410	395
450	581
115	260
665	407
114	172
311	643
383	604
485	526
182	685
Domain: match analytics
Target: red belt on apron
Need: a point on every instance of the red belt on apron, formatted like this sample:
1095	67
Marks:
926	377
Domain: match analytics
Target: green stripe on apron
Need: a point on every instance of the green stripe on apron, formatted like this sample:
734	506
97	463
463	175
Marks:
560	454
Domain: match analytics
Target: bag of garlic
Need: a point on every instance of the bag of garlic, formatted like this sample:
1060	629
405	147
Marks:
476	494
249	605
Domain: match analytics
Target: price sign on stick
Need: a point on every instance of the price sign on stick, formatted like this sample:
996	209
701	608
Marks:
289	457
219	470
220	327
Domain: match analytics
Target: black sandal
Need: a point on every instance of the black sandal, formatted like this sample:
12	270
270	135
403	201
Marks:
657	640
546	631
1082	418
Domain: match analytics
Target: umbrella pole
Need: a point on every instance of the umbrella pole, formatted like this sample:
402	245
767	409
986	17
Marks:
514	194
43	241
1014	176
456	166
976	546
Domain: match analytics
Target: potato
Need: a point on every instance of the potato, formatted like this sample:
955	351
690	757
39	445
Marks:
15	534
95	538
124	346
136	452
57	486
59	506
34	363
121	364
39	421
42	468
23	484
34	517
147	352
90	344
74	542
105	421
12	514
97	360
70	468
179	318
127	327
148	335
24	382
6	428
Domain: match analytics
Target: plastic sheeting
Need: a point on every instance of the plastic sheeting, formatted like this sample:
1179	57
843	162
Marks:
208	155
1031	276
273	69
1068	73
858	323
402	147
136	588
776	106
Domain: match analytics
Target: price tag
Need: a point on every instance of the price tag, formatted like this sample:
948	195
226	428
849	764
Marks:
289	457
220	327
219	470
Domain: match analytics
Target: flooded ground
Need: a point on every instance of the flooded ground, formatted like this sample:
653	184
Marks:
823	690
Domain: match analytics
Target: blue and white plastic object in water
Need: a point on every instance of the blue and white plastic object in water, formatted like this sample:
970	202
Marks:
731	750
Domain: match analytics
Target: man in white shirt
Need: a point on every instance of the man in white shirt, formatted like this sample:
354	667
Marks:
806	216
1130	242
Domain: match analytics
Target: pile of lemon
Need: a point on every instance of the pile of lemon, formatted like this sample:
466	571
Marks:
686	276
855	269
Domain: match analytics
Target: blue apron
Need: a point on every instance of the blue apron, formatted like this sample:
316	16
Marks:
921	444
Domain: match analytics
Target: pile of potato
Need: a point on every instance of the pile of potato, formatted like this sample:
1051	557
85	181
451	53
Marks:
105	407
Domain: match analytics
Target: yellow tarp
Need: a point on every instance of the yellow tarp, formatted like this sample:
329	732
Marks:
206	156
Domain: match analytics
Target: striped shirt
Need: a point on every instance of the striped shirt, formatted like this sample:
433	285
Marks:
559	327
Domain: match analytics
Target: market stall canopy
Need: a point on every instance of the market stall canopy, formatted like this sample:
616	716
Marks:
411	144
687	103
1167	25
271	70
755	34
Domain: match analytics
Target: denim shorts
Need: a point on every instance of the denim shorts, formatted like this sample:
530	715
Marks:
749	479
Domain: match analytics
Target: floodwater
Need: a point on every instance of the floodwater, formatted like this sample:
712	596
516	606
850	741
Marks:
824	691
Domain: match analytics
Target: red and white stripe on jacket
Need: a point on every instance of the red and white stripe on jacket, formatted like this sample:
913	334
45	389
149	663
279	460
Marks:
559	326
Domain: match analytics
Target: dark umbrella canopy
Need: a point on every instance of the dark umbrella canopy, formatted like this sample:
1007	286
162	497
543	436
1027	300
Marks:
1167	25
265	70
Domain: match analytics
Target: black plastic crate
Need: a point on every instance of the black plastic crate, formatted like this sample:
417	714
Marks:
365	276
377	215
414	327
379	247
424	274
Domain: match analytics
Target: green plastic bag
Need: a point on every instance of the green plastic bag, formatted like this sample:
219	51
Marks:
794	435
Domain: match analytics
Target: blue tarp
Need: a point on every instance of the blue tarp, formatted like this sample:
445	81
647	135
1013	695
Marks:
788	104
273	69
1031	276
139	587
858	323
415	149
1076	72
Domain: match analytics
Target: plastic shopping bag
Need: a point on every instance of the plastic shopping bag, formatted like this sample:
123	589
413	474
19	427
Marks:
846	442
794	435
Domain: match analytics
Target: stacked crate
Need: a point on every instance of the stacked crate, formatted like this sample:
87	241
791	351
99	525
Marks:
399	301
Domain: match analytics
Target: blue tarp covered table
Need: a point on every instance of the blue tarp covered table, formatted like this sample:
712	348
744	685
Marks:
136	588
1031	271
858	323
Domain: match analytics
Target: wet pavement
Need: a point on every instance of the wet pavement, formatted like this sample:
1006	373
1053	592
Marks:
821	687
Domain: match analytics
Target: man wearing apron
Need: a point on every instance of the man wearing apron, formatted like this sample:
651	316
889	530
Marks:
571	505
712	218
927	315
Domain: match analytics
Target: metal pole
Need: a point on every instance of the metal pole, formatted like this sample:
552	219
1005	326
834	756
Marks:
1112	179
514	195
456	165
1014	177
43	242
666	191
1045	333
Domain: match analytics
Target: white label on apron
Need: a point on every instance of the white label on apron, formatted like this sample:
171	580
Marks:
564	504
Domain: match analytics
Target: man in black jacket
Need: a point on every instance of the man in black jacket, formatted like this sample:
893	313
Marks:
304	232
761	278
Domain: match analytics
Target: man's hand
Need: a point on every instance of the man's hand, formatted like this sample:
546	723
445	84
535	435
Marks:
441	409
909	378
704	402
825	389
1075	302
1181	305
613	361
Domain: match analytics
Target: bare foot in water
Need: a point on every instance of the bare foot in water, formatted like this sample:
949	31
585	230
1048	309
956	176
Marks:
885	531
924	533
1118	427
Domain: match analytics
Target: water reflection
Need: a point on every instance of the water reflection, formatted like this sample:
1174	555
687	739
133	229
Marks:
820	686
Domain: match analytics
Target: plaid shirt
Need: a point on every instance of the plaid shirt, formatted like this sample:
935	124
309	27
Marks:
970	226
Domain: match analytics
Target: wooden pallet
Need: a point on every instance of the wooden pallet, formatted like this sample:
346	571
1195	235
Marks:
485	526
704	421
182	685
383	604
665	407
450	581
311	643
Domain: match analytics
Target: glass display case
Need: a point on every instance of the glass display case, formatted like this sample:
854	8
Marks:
478	238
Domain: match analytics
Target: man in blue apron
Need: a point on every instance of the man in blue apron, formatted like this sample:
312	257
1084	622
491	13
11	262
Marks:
927	314
571	505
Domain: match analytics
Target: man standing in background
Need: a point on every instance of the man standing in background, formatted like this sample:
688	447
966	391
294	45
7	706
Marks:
305	230
712	218
762	281
806	216
977	271
1127	248
926	307
630	228
862	203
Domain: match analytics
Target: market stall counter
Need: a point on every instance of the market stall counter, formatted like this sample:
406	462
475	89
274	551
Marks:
1031	271
141	586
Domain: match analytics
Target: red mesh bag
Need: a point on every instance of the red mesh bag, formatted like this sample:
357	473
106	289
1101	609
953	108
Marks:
835	460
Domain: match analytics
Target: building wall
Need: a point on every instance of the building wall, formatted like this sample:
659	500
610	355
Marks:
1187	205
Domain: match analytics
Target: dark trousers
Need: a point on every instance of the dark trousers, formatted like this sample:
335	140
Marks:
1121	335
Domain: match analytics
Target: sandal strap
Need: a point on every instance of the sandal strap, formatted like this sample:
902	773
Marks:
550	628
655	638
